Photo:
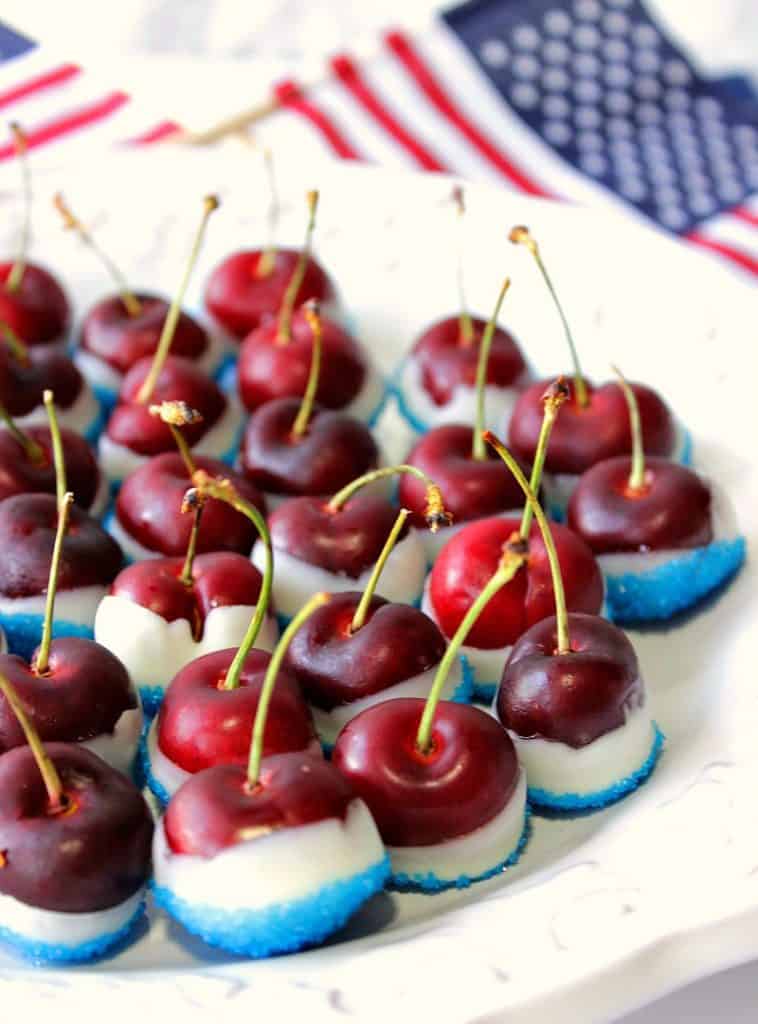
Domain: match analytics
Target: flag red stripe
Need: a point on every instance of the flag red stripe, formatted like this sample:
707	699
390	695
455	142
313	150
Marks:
70	122
290	95
430	85
347	72
56	76
742	259
747	215
155	134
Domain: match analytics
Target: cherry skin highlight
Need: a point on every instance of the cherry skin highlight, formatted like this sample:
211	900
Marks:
573	698
469	560
671	512
420	799
37	311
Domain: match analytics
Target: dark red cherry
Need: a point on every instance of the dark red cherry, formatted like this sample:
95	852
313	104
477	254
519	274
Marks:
334	450
673	510
132	424
583	436
336	666
447	360
20	474
270	368
82	693
576	697
28	522
346	541
420	799
200	724
23	383
240	300
149	507
470	558
216	808
121	340
471	488
37	311
220	579
92	856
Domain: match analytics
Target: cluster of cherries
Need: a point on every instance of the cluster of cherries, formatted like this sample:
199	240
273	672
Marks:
231	528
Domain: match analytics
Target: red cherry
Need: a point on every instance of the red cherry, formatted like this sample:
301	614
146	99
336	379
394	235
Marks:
37	311
110	333
149	506
470	558
420	799
215	808
91	857
20	474
132	424
240	300
573	698
22	384
583	435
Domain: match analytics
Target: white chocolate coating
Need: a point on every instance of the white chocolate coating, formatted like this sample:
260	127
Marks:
119	747
65	929
79	416
78	605
435	542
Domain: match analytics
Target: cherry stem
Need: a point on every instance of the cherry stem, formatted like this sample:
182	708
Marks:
132	305
311	312
59	461
18	349
512	559
223	490
184	449
18	268
552	400
522	236
185	576
561	614
464	319
478	450
269	681
284	330
359	617
43	651
33	451
268	257
210	203
46	767
637	474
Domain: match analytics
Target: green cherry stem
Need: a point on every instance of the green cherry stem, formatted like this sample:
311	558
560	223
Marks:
561	614
268	257
43	651
552	400
513	557
479	450
61	485
299	427
284	329
17	270
359	616
522	236
210	203
269	681
132	305
464	318
223	490
33	451
18	349
195	505
176	415
46	767
637	474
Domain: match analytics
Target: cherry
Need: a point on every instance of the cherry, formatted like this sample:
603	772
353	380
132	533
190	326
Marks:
26	464
37	310
24	381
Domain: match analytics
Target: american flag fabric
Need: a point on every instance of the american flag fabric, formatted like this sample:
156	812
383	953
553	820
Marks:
586	101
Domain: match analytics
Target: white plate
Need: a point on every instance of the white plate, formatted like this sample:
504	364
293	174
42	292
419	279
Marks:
603	912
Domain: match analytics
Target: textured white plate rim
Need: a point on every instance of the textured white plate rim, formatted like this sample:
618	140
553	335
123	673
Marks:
353	978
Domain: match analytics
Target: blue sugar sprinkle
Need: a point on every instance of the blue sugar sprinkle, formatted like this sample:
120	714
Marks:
144	771
675	586
24	631
107	397
544	798
42	953
432	883
230	455
482	692
96	427
411	418
281	927
373	418
685	456
225	374
152	698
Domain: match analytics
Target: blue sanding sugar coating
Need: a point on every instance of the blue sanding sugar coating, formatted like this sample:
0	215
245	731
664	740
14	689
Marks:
373	418
43	953
411	418
144	770
95	428
107	398
24	631
152	698
230	454
431	883
544	798
225	374
675	586
281	927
